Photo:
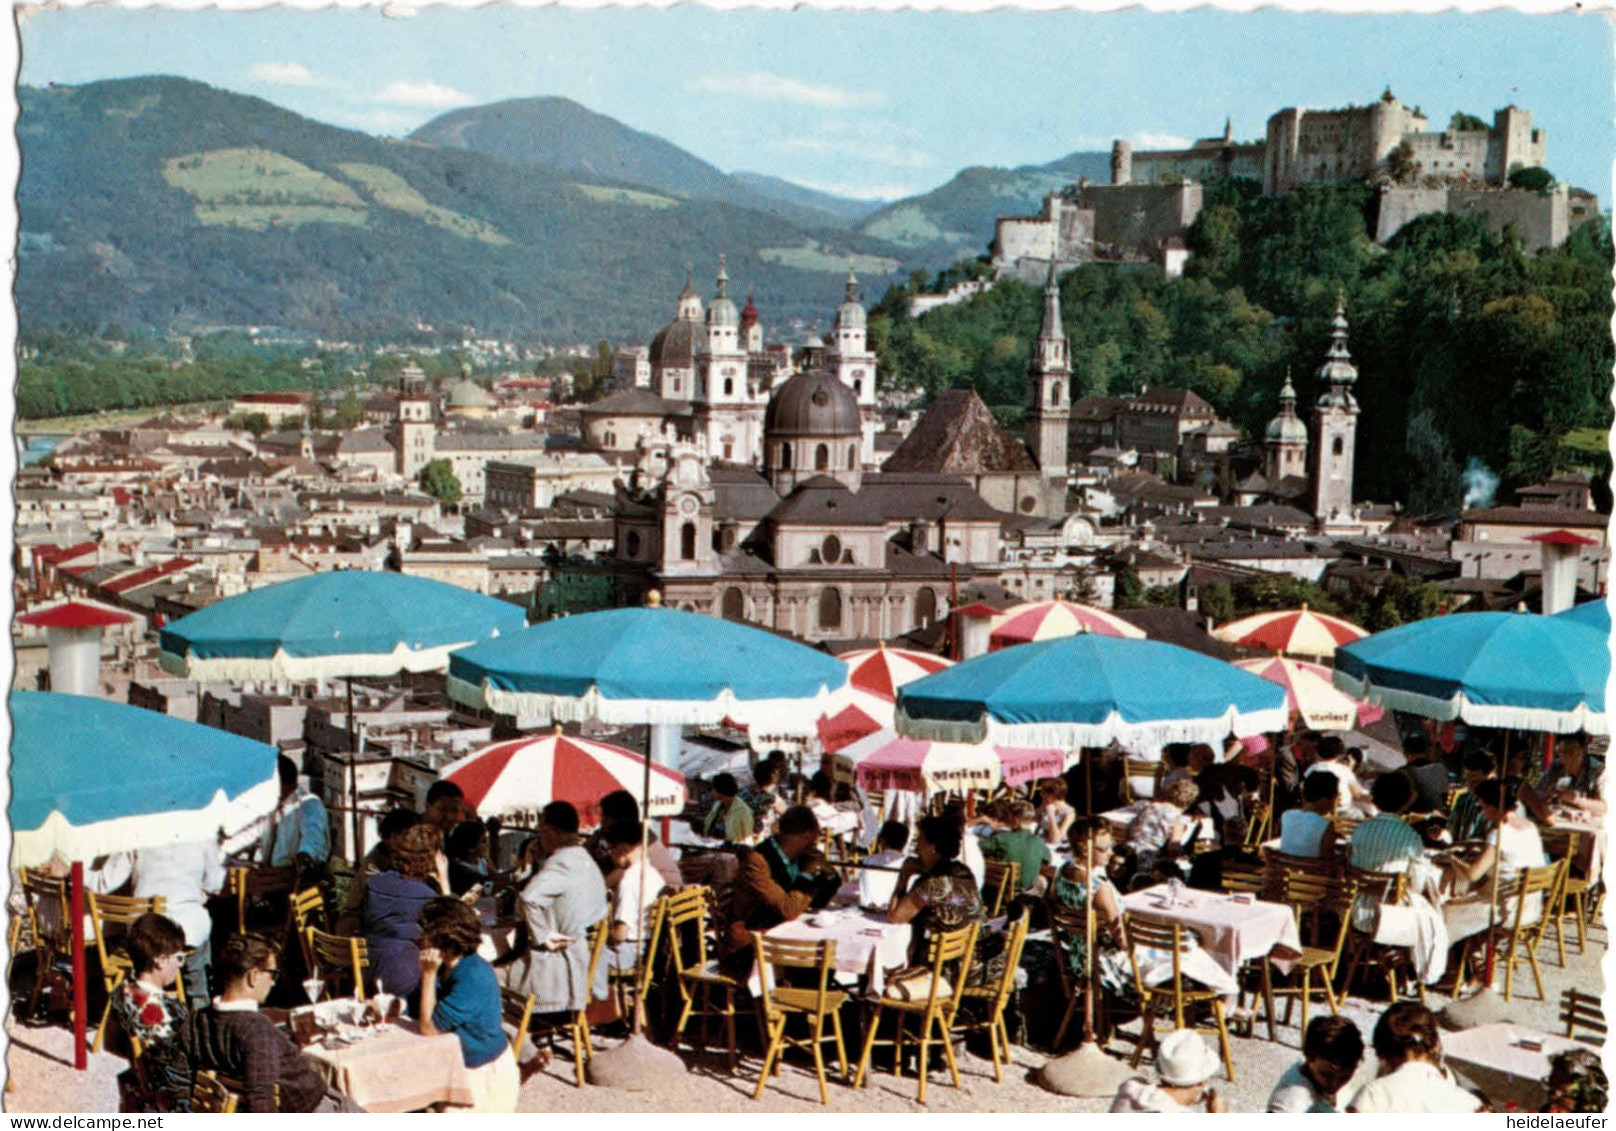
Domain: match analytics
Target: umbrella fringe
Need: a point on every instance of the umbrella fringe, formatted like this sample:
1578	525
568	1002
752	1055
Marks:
284	667
1542	719
1070	736
58	837
781	717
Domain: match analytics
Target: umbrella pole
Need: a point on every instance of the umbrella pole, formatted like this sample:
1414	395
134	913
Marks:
353	777
1498	860
1088	913
81	1059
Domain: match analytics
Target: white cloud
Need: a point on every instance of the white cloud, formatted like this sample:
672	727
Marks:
396	122
429	94
892	191
898	156
283	74
767	87
1160	141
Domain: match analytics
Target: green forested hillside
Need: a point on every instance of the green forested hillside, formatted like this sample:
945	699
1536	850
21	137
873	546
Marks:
168	205
1466	347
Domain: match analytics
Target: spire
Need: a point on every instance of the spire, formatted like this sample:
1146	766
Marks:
723	278
690	285
1287	394
1052	327
852	283
1228	129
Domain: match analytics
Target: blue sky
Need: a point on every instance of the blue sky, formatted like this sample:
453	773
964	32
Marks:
868	103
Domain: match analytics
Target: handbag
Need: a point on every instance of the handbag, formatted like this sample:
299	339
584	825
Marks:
914	983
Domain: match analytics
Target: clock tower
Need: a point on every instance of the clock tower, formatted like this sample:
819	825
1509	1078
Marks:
687	513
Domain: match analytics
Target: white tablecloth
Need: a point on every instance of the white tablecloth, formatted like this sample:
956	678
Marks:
1230	934
398	1070
866	944
1492	1056
1121	819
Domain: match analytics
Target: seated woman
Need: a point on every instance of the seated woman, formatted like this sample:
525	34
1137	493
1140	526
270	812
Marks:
460	995
1162	826
1055	816
150	1016
1309	831
390	917
937	894
1412	1078
1073	888
466	847
1512	845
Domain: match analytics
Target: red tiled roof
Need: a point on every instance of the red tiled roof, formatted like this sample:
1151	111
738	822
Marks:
50	554
148	575
270	398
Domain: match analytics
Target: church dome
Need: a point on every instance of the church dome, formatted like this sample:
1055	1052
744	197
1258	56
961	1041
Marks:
675	345
1286	429
466	393
814	403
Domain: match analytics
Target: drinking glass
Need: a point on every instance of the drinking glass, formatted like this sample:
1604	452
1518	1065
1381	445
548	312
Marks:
313	987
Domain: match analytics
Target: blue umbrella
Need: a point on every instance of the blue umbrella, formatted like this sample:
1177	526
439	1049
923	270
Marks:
649	665
346	623
1090	690
89	777
1593	614
1514	670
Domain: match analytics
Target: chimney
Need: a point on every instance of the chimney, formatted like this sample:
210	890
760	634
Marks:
975	627
1562	552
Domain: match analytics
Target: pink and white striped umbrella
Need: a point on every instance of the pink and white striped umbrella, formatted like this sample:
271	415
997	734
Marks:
866	704
1310	694
521	777
888	761
1047	620
1299	631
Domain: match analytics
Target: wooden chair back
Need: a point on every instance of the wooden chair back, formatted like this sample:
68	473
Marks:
1319	903
1001	880
1238	877
210	1097
1140	768
1170	937
950	951
685	924
1015	942
1065	924
111	917
793	954
347	958
1257	822
1580	1010
517	1009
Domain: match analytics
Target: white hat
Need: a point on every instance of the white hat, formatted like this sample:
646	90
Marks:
1183	1059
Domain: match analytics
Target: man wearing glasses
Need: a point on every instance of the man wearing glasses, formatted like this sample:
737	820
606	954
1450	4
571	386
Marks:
231	1037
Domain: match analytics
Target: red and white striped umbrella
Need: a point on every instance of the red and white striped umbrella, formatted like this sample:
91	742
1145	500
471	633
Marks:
866	704
1300	631
1047	620
1310	694
521	777
888	761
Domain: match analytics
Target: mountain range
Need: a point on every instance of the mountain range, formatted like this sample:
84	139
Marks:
170	205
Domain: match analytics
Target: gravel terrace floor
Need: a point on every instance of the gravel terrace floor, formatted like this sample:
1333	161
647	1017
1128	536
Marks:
41	1077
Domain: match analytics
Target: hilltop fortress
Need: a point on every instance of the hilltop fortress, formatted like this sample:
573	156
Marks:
1155	195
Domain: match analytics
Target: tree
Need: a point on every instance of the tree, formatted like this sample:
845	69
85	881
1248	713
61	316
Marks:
1217	601
1462	122
439	480
1533	178
255	422
349	413
1400	162
1129	592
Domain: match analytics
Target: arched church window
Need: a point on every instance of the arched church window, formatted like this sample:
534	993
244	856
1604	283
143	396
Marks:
830	608
822	458
734	605
830	550
785	457
1338	446
687	542
852	457
631	544
729	386
1055	394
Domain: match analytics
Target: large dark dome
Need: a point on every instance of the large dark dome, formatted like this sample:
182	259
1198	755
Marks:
814	403
675	346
